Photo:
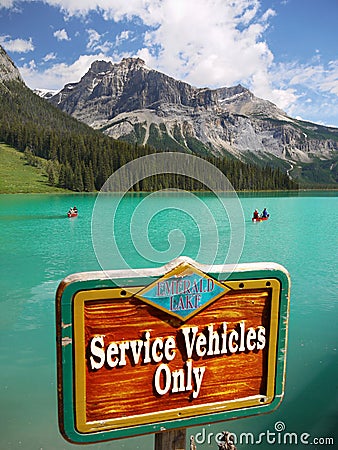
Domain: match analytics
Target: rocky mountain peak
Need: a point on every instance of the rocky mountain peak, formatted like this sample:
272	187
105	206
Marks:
130	85
8	70
100	66
133	63
126	65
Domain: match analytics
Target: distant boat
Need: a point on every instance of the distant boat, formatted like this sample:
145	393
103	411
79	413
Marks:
259	219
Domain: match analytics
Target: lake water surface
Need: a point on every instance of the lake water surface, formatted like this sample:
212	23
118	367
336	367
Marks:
40	246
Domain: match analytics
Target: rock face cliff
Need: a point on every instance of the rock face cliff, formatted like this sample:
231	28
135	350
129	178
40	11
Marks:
133	102
8	70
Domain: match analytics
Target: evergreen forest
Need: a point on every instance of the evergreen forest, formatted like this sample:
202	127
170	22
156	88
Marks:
79	158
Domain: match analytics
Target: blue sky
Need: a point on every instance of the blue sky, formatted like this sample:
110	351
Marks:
284	51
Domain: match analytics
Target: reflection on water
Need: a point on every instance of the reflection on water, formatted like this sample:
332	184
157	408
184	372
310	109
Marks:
33	217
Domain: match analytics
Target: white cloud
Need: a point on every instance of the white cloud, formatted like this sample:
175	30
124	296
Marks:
316	85
61	35
16	45
6	3
123	36
93	38
330	79
206	41
49	57
317	77
94	42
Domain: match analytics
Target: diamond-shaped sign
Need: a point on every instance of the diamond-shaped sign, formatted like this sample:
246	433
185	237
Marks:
182	292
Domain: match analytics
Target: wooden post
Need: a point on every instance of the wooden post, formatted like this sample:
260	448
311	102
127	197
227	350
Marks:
171	440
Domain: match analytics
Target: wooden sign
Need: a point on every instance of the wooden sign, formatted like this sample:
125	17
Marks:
169	348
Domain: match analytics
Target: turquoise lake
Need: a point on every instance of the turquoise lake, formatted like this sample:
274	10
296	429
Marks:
40	246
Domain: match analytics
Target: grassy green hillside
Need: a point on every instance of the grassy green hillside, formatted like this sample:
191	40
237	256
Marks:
16	176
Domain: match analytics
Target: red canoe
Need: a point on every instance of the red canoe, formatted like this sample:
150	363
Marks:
259	219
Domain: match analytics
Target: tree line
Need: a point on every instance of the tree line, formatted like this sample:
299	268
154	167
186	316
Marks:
82	159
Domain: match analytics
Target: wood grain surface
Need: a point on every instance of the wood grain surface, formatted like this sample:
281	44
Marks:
129	390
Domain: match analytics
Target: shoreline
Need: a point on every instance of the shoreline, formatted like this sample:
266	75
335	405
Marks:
174	191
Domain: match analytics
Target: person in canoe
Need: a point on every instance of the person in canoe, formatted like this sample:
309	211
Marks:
255	214
72	212
265	214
